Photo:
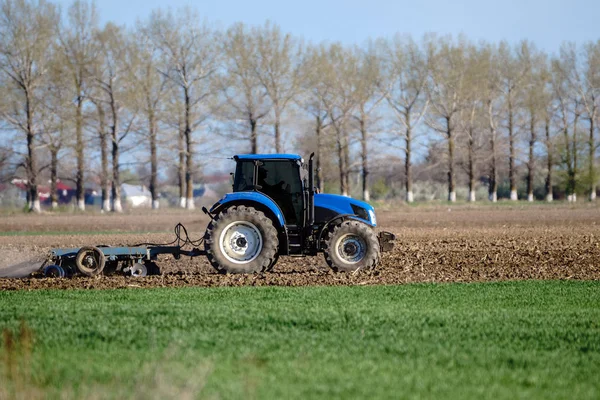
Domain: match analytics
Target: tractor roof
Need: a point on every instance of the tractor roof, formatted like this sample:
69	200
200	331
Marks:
267	157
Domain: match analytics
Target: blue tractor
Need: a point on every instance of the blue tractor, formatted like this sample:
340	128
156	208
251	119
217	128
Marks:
275	210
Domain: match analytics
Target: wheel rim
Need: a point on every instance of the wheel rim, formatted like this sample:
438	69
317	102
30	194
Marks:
240	242
351	249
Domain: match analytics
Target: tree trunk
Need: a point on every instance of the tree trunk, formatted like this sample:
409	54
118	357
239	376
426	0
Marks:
189	181
346	164
253	135
573	175
277	131
342	163
471	161
511	156
364	158
568	161
31	165
531	160
79	150
104	178
318	171
592	158
493	181
153	159
54	177
181	164
116	183
451	184
408	164
550	161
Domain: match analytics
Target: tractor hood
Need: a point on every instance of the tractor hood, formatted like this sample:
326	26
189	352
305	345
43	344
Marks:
328	206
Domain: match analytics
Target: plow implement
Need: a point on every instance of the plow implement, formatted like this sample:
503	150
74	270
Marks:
137	261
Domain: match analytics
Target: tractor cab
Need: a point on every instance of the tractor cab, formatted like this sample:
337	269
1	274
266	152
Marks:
279	177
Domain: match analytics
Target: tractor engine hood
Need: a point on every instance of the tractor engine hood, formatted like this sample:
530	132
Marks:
328	206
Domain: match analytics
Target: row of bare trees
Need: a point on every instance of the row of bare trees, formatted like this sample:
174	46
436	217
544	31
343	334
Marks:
173	87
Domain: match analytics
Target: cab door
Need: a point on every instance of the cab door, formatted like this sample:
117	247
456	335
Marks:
282	183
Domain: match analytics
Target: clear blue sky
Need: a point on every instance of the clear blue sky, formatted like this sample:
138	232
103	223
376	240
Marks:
546	22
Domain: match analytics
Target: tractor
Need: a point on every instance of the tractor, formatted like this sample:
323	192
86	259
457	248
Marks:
274	210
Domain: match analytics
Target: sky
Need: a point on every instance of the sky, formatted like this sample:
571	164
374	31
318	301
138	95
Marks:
547	23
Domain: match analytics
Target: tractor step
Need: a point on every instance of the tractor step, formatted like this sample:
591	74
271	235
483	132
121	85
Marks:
294	235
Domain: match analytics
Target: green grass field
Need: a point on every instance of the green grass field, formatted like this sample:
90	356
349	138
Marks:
499	340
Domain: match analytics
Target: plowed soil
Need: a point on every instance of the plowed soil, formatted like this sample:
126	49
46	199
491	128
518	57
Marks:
434	244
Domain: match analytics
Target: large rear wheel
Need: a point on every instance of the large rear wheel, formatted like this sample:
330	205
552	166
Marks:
351	246
241	240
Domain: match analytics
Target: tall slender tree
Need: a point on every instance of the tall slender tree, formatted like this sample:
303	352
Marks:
406	68
77	43
338	93
112	78
27	31
447	97
245	97
369	95
151	90
191	51
279	68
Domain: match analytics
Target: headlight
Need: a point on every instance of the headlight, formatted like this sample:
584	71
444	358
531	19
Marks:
372	217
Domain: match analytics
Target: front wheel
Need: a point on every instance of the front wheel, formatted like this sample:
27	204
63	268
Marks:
241	240
351	246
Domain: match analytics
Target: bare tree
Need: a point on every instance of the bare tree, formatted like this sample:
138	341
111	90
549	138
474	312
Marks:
569	111
77	43
111	78
56	120
369	95
535	101
192	57
549	155
103	136
469	116
279	69
339	96
585	79
246	98
492	101
447	96
407	71
312	101
27	30
513	67
149	94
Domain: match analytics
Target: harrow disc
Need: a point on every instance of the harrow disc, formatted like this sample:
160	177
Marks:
138	270
54	271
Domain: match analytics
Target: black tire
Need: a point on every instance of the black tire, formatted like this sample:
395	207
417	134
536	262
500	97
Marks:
90	261
262	244
351	246
273	262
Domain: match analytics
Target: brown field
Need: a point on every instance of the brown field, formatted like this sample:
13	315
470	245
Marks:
434	244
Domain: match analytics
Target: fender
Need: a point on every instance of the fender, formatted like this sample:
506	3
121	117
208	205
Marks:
246	198
336	205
